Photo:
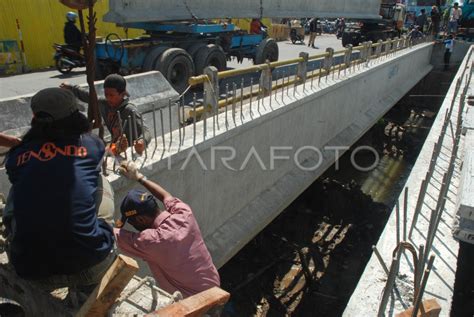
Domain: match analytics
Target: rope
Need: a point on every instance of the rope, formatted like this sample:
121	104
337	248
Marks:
189	10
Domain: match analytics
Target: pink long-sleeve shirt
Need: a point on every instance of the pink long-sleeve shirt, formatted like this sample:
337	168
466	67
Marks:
174	250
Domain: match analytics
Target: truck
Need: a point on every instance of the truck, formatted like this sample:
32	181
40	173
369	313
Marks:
183	37
389	26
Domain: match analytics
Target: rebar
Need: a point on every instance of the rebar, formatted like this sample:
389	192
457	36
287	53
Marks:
397	218
130	130
405	214
234	98
226	105
379	257
421	291
162	131
194	118
154	129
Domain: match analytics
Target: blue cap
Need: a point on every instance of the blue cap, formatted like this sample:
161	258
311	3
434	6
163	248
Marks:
137	202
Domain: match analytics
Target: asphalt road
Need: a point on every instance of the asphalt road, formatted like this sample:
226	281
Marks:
29	83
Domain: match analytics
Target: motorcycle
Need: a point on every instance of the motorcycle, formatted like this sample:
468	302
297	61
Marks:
295	37
67	58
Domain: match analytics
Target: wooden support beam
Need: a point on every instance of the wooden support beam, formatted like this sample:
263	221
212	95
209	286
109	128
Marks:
429	308
196	305
113	282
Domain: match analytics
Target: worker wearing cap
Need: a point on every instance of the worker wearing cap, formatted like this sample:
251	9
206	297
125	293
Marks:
168	240
59	210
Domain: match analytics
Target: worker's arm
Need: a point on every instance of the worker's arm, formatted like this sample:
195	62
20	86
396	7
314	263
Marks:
80	93
8	141
130	170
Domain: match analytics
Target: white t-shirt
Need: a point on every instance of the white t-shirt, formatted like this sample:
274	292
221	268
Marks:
455	14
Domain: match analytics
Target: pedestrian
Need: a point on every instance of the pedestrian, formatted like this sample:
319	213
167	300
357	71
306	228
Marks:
168	240
313	29
8	141
257	27
422	20
435	20
72	35
454	16
60	209
115	109
449	46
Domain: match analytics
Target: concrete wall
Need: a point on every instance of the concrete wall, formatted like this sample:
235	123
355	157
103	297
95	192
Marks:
232	206
145	89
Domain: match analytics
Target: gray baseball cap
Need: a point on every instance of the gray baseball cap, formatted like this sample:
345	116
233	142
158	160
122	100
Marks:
59	103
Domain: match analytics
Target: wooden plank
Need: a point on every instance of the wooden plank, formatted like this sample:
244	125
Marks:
110	287
196	305
429	308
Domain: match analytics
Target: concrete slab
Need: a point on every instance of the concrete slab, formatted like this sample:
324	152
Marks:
366	297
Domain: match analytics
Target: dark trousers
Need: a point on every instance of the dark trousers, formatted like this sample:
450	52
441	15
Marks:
463	294
447	57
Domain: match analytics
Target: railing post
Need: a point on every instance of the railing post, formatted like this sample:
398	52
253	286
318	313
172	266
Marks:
368	52
328	60
347	56
266	79
378	50
211	86
302	69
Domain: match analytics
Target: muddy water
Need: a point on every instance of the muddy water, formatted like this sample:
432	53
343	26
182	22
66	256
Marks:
308	261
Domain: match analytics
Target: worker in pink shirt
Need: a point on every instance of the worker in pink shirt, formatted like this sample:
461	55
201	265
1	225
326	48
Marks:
168	240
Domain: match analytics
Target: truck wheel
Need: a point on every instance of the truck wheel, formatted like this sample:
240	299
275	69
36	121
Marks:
210	55
266	50
177	66
152	57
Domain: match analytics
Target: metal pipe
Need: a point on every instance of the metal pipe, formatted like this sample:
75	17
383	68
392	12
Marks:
421	265
397	217
242	101
389	285
405	214
154	130
204	116
162	131
276	91
183	119
129	122
419	296
179	123
419	203
251	94
234	95
144	139
227	102
379	257
170	124
121	130
194	118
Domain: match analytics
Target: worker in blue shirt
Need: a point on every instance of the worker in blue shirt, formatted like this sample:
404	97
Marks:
59	210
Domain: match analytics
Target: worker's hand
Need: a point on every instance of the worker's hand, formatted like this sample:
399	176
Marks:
65	85
140	146
130	171
121	144
9	141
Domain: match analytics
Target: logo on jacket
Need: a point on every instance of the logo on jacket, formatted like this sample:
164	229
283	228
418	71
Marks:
49	151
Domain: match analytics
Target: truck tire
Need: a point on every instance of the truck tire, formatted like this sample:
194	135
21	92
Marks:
177	66
266	50
152	56
210	55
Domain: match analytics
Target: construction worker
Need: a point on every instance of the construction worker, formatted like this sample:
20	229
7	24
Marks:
454	16
313	29
116	109
168	240
60	209
257	27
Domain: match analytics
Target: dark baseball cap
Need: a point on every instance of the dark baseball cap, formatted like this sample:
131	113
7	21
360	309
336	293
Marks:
137	202
59	103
